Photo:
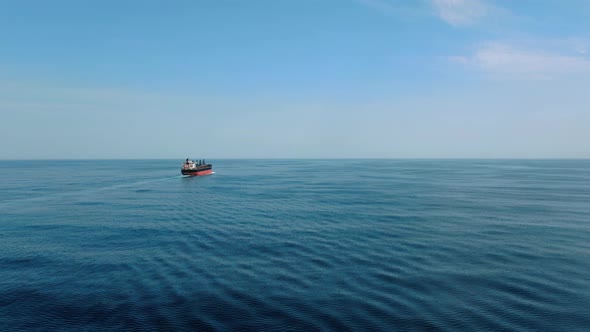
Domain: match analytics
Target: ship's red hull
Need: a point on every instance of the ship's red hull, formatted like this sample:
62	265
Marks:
197	173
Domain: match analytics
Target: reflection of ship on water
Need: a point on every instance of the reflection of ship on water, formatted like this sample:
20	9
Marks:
196	168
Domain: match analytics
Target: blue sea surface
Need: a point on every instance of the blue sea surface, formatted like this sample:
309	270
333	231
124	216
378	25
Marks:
300	245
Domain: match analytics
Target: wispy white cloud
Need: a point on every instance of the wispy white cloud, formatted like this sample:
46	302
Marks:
453	12
500	58
460	12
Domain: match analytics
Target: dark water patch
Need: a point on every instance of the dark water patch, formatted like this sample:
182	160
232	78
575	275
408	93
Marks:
90	203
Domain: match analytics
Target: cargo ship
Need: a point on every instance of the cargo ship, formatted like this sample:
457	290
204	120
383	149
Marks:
196	168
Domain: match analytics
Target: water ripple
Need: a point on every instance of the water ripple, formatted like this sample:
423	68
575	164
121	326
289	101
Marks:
408	245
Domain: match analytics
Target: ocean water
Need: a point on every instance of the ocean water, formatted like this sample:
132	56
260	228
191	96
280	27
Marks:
300	245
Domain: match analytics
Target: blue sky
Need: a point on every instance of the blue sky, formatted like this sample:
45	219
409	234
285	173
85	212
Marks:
295	79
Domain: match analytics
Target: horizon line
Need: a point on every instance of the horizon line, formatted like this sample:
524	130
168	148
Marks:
310	158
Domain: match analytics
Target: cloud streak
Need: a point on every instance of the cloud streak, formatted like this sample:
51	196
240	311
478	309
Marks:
452	12
509	60
460	12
